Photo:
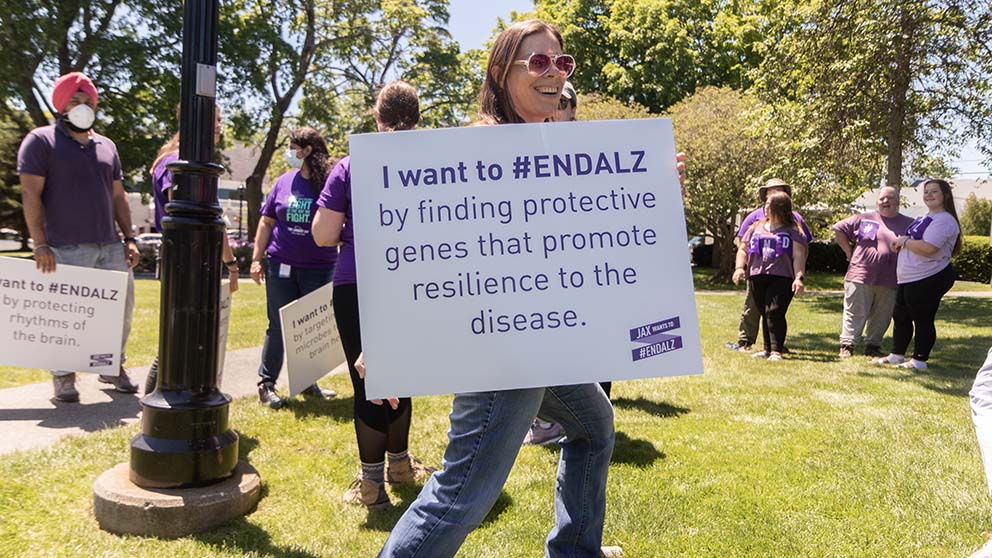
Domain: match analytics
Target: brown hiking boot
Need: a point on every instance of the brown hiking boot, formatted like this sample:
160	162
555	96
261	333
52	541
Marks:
408	471
368	493
846	350
65	388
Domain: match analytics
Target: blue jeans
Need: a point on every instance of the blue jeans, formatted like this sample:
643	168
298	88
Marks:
486	432
280	291
108	255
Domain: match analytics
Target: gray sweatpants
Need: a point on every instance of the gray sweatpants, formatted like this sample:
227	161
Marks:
747	331
100	256
866	305
981	414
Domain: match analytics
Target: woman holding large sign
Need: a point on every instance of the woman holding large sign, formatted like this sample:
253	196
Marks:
383	432
524	80
295	265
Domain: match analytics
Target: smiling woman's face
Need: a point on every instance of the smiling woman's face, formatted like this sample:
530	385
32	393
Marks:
535	98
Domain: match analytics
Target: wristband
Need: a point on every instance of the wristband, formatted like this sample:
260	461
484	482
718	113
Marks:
130	239
39	247
905	241
230	263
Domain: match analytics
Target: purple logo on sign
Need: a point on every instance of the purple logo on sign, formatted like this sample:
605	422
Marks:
655	339
868	230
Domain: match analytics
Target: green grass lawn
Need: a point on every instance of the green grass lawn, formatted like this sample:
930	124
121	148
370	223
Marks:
247	329
809	457
815	281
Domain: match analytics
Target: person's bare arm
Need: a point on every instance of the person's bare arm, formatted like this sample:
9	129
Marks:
34	214
262	236
227	256
845	244
122	215
326	227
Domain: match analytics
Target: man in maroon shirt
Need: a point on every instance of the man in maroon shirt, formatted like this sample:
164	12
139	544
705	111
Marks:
72	190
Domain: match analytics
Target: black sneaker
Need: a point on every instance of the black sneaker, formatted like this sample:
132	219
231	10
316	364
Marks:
874	351
267	396
316	391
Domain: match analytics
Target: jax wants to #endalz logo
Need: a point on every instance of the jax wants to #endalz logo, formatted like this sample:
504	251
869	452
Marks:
654	339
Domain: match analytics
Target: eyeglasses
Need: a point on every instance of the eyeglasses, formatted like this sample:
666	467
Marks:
538	63
564	103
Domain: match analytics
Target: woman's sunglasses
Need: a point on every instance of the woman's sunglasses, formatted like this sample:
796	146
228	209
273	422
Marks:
538	63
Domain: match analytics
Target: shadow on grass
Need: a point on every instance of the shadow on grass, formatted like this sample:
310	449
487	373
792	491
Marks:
385	520
339	409
657	408
631	451
251	540
246	444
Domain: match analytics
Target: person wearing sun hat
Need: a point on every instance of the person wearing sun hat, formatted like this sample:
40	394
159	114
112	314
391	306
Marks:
750	318
73	194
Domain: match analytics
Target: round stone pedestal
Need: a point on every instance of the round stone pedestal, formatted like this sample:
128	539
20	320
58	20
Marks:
122	507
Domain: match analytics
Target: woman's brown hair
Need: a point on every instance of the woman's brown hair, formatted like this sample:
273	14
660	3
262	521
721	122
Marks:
318	162
495	105
780	207
945	189
397	106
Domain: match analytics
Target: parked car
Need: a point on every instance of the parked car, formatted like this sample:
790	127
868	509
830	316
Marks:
150	239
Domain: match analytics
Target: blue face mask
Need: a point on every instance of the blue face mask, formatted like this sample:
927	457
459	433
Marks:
292	160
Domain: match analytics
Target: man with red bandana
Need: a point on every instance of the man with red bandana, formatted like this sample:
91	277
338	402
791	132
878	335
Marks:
73	194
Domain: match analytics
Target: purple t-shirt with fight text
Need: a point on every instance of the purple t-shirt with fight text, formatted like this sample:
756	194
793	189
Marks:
161	183
78	197
336	196
937	229
759	214
873	262
771	252
291	204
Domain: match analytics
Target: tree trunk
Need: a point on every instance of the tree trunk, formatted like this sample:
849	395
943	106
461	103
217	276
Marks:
724	251
253	184
895	135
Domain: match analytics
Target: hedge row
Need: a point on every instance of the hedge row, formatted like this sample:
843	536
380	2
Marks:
972	263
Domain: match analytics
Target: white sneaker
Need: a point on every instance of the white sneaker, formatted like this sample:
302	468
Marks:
984	552
891	359
913	364
774	357
759	354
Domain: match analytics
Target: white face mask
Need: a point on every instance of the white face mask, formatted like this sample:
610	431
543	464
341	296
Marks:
82	117
292	160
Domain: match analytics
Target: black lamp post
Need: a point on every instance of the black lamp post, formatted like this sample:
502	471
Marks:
185	438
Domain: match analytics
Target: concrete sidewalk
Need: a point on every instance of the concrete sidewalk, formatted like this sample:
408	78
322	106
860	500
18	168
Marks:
30	418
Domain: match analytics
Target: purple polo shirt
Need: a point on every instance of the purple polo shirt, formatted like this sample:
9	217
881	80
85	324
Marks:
290	203
336	196
873	262
938	229
771	252
79	190
759	214
161	183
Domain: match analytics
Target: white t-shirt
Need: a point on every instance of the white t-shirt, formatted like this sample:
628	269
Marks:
939	229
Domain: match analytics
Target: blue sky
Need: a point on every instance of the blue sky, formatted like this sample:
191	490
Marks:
473	20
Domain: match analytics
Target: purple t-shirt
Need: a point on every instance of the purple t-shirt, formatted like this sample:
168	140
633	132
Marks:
939	229
79	191
336	196
161	183
290	203
771	253
873	262
759	214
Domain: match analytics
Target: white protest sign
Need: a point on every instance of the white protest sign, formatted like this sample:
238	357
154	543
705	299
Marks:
498	257
223	324
310	336
72	319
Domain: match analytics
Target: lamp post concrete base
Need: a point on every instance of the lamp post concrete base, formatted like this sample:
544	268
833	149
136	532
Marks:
124	508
